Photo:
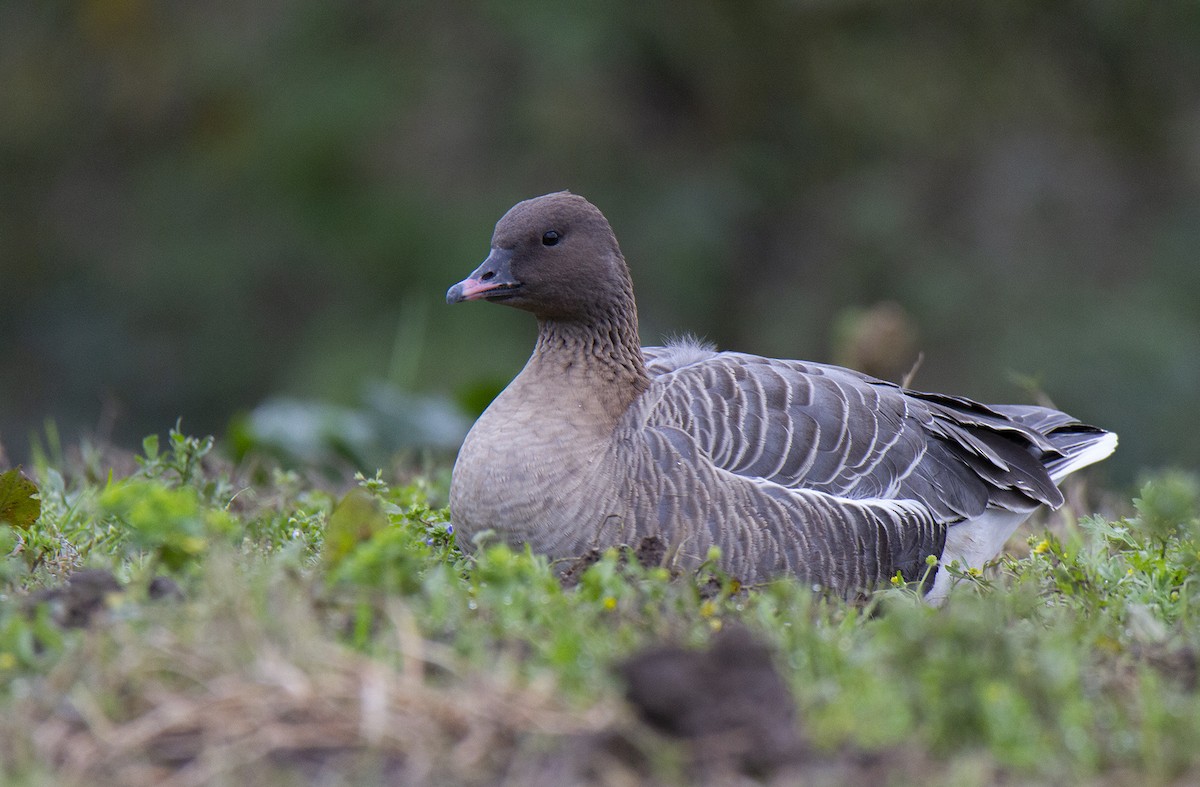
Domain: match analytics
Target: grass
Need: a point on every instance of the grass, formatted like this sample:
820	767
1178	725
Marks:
266	627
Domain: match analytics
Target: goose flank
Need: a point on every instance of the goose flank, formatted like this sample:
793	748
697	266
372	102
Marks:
789	467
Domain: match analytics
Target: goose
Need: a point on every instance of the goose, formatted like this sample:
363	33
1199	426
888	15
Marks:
788	467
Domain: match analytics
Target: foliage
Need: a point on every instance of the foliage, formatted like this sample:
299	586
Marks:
1075	663
321	434
19	504
203	210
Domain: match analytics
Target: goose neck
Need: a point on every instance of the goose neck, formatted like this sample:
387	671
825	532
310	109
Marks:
597	359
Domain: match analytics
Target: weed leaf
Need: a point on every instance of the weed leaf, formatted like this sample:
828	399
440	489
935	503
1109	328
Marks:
356	518
19	504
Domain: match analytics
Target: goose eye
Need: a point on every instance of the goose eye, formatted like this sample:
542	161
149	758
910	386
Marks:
550	238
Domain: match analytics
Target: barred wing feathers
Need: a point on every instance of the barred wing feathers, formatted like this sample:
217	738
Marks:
850	478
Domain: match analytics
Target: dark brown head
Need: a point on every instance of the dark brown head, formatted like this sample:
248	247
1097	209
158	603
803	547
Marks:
554	256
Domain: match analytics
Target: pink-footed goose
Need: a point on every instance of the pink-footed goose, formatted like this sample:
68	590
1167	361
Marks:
789	467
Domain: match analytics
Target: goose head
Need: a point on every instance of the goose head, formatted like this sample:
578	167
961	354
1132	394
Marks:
555	256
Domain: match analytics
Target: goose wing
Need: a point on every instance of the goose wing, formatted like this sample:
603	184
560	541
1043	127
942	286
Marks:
808	426
838	477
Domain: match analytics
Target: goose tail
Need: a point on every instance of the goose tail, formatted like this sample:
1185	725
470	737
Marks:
1077	444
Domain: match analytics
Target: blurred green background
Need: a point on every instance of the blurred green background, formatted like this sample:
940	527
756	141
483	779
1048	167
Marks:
207	205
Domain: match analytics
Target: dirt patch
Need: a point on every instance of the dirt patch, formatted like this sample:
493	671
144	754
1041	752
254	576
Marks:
74	603
570	576
735	715
650	552
1176	660
77	602
729	701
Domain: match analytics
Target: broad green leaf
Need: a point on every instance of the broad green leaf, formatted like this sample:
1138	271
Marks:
19	504
355	518
150	446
